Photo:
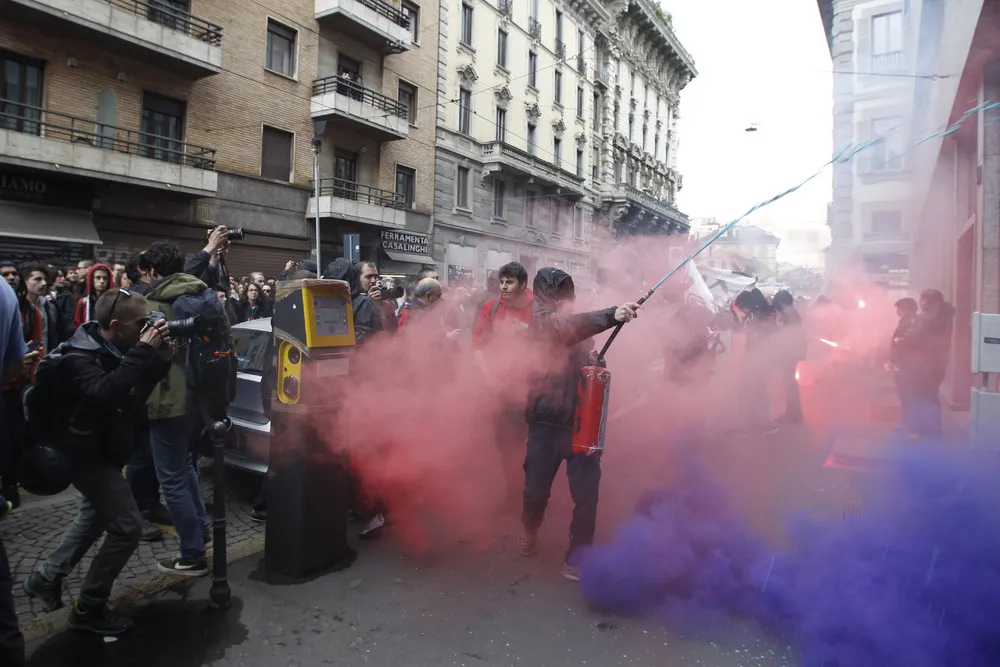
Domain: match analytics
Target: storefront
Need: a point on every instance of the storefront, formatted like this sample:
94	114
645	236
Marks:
403	254
45	219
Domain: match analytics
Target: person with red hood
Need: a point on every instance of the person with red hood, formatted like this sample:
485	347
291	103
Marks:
98	282
512	309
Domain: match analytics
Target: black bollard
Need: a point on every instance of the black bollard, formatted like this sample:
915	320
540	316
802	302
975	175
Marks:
219	594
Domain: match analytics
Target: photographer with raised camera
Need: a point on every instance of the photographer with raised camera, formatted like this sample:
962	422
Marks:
209	264
100	380
179	405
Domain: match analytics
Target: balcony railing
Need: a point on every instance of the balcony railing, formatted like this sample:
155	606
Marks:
581	65
534	28
883	63
388	11
345	189
652	203
560	49
344	86
167	14
526	159
28	119
506	7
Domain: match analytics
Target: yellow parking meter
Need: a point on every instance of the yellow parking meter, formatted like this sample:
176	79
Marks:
308	481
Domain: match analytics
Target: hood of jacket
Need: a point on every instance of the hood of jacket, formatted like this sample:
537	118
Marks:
174	286
87	338
552	286
90	277
344	269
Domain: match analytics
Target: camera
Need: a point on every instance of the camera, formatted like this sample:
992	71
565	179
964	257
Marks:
237	234
389	292
178	328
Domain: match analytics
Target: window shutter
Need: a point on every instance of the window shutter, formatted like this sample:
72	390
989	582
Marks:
276	154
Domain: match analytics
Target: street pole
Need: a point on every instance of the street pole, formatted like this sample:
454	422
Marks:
219	593
317	145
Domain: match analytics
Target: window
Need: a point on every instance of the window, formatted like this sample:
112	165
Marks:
579	102
502	48
558	84
631	127
501	123
533	69
499	191
408	95
531	139
644	136
170	13
887	222
559	24
163	125
656	146
887	154
556	151
413	13
595	167
887	33
464	110
466	36
462	194
579	45
276	154
406	183
280	48
578	223
533	9
530	198
579	163
20	81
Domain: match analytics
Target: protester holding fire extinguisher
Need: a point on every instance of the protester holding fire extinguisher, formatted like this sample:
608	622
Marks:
551	404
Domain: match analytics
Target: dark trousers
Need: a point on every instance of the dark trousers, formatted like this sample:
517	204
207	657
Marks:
920	401
11	639
141	474
548	447
13	444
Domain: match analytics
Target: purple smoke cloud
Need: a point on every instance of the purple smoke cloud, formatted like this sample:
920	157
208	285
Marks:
914	580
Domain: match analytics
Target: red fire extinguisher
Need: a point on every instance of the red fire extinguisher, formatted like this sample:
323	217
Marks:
591	415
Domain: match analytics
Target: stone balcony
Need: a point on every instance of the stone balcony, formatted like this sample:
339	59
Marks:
643	211
361	109
146	30
504	158
347	200
373	22
37	138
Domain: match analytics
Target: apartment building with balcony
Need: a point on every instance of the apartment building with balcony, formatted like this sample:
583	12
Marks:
513	174
641	70
125	122
374	101
870	215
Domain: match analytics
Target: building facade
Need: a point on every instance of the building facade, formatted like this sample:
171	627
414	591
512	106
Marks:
122	123
528	139
870	215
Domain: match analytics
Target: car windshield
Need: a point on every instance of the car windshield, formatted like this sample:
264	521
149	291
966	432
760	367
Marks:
251	349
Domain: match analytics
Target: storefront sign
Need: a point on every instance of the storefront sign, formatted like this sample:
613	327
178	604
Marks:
33	188
408	242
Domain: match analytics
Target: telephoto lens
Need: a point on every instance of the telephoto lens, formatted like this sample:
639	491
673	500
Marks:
237	234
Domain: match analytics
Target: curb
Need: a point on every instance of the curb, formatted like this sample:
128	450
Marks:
48	624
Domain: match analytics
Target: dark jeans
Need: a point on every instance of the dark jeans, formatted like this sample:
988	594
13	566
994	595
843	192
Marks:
920	401
107	507
11	639
548	447
13	445
141	474
170	440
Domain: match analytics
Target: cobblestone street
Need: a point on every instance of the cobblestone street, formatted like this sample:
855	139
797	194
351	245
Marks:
33	531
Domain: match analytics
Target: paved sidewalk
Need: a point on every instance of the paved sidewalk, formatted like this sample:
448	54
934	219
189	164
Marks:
33	531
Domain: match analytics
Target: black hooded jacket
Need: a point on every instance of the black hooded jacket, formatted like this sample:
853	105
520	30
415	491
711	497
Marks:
552	399
367	318
101	393
927	341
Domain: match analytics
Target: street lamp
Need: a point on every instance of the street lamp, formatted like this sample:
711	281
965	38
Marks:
317	146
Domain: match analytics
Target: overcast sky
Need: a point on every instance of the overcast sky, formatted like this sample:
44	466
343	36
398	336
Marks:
758	62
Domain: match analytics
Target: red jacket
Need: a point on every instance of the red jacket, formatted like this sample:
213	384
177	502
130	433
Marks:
86	302
483	328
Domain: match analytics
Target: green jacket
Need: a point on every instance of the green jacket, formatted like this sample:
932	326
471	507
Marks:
170	397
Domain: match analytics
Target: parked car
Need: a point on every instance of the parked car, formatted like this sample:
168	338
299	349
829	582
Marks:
250	411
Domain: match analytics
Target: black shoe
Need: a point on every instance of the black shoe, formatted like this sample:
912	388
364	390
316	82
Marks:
260	516
159	514
48	593
184	567
150	533
98	621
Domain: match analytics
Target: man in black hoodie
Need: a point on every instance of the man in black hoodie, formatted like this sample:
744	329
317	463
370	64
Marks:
100	379
550	408
367	317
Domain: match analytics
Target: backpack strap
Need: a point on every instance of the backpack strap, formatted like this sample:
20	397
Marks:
494	308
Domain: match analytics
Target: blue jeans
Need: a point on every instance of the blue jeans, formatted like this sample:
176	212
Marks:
170	440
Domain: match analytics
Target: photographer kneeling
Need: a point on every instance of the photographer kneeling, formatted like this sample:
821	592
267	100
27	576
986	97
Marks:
98	383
